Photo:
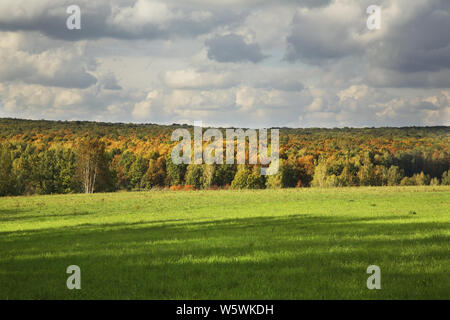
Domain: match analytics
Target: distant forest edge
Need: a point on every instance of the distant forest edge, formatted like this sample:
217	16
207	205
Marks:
46	157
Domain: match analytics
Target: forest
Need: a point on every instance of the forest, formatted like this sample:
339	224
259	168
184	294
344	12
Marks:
51	157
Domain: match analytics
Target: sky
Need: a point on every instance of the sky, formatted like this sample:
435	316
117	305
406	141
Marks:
243	63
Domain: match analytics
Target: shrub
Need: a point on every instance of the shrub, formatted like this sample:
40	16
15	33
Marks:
188	187
445	181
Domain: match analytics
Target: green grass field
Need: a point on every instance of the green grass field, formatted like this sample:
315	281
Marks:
283	244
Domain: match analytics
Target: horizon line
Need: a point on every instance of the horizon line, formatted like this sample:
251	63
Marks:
223	127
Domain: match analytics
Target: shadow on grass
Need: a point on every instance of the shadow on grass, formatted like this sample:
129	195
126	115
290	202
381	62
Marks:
297	256
19	217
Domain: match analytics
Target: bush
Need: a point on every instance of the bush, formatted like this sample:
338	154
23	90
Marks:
445	181
434	182
407	181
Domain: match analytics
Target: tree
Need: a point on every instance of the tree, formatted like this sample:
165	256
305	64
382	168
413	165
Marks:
137	172
445	181
156	173
421	179
305	168
394	176
175	172
224	174
408	181
194	175
366	175
348	177
286	177
434	182
66	168
320	175
123	169
332	181
209	177
241	177
47	172
255	180
274	181
90	163
6	177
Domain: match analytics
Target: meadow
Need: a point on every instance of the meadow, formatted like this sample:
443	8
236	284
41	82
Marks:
228	244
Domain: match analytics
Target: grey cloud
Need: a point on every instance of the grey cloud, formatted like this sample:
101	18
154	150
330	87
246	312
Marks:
422	43
78	79
99	20
278	83
322	34
413	50
49	68
233	48
344	75
109	82
383	77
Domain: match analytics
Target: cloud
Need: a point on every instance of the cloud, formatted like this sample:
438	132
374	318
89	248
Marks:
227	62
410	50
60	67
109	82
143	109
282	82
26	100
233	48
119	19
326	33
193	79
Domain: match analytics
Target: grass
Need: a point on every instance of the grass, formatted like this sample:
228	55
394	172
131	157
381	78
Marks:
283	244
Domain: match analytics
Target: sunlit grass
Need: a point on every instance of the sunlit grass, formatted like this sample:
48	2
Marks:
284	244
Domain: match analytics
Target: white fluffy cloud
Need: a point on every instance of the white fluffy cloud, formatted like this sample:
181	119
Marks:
143	109
61	67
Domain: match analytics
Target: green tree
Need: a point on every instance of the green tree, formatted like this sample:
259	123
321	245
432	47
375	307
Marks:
91	164
175	172
348	177
137	172
320	176
241	177
209	177
6	174
224	174
156	173
194	174
286	177
394	176
255	180
366	175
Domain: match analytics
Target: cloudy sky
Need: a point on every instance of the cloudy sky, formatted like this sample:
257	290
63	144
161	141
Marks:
250	63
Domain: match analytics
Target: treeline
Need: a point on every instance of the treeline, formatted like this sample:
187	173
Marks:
47	157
